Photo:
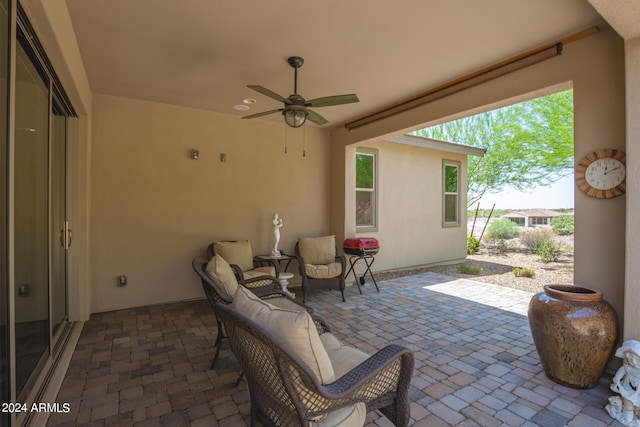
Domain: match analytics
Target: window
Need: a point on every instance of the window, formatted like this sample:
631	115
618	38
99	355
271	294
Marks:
539	221
519	221
451	193
366	194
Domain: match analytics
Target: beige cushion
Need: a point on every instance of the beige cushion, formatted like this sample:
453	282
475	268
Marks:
317	250
238	253
343	357
221	272
350	416
295	328
259	271
323	271
285	303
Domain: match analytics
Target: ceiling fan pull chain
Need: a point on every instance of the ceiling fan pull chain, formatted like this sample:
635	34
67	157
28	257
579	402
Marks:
304	141
285	139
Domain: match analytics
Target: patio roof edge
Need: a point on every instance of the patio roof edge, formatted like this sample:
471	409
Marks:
434	144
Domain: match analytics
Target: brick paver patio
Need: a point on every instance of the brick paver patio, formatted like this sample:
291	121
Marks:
476	364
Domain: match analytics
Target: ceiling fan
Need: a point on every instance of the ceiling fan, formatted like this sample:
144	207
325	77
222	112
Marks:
295	109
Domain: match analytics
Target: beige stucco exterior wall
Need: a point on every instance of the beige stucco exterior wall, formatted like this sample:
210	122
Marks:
632	281
154	208
595	68
410	228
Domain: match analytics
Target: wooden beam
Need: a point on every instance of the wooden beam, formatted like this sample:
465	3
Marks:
448	88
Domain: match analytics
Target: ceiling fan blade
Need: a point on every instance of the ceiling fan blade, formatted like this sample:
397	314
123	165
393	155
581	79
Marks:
270	94
264	113
316	118
333	100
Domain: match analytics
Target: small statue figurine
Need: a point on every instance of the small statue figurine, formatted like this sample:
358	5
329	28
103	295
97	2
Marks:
626	407
277	223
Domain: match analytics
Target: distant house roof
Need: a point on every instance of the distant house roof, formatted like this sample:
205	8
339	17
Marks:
532	213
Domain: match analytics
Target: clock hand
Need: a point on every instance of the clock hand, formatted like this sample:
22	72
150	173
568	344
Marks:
614	169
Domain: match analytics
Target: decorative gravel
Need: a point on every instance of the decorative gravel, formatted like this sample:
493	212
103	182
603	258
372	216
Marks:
497	268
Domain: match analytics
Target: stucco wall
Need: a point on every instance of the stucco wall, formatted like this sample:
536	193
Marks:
153	208
410	228
594	66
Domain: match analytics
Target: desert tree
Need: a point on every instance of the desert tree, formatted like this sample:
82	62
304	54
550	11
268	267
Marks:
528	144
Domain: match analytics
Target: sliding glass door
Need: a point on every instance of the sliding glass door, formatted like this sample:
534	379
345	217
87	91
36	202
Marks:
34	227
41	235
31	217
4	242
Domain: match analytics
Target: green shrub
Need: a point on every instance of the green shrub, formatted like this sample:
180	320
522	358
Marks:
500	246
563	225
502	229
548	251
523	272
473	245
468	269
532	238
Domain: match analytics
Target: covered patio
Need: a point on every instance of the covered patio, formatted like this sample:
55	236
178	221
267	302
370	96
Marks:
121	129
475	364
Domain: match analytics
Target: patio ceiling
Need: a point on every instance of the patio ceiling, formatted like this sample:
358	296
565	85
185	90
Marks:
203	54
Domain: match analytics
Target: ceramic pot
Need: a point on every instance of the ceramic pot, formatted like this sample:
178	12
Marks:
574	330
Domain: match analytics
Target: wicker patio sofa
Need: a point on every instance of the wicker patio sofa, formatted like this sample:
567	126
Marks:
299	374
219	284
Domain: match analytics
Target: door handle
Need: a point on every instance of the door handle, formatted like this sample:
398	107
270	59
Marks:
65	239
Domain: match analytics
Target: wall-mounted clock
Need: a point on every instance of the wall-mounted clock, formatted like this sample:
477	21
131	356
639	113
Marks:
602	174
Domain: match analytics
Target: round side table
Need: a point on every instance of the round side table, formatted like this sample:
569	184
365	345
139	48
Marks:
284	282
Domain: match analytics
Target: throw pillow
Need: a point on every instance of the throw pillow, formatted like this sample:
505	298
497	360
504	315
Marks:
295	328
317	250
238	253
221	273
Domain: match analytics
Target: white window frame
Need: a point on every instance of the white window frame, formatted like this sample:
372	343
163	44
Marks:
445	193
374	198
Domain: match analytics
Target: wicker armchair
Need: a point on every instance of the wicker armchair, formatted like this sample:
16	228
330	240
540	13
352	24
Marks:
239	255
285	392
266	287
320	265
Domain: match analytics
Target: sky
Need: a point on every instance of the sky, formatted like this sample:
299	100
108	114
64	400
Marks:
558	195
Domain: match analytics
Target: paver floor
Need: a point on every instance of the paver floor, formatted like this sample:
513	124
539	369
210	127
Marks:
475	362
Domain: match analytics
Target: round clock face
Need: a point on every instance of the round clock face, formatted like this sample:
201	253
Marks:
601	174
604	174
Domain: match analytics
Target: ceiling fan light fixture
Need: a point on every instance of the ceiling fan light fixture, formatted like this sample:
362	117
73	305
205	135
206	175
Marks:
295	117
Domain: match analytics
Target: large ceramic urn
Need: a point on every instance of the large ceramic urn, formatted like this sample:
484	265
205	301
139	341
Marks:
574	330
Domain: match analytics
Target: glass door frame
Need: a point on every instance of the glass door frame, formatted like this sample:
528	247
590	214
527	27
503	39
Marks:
40	377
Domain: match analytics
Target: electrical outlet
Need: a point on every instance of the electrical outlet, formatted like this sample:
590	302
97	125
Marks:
122	280
23	290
